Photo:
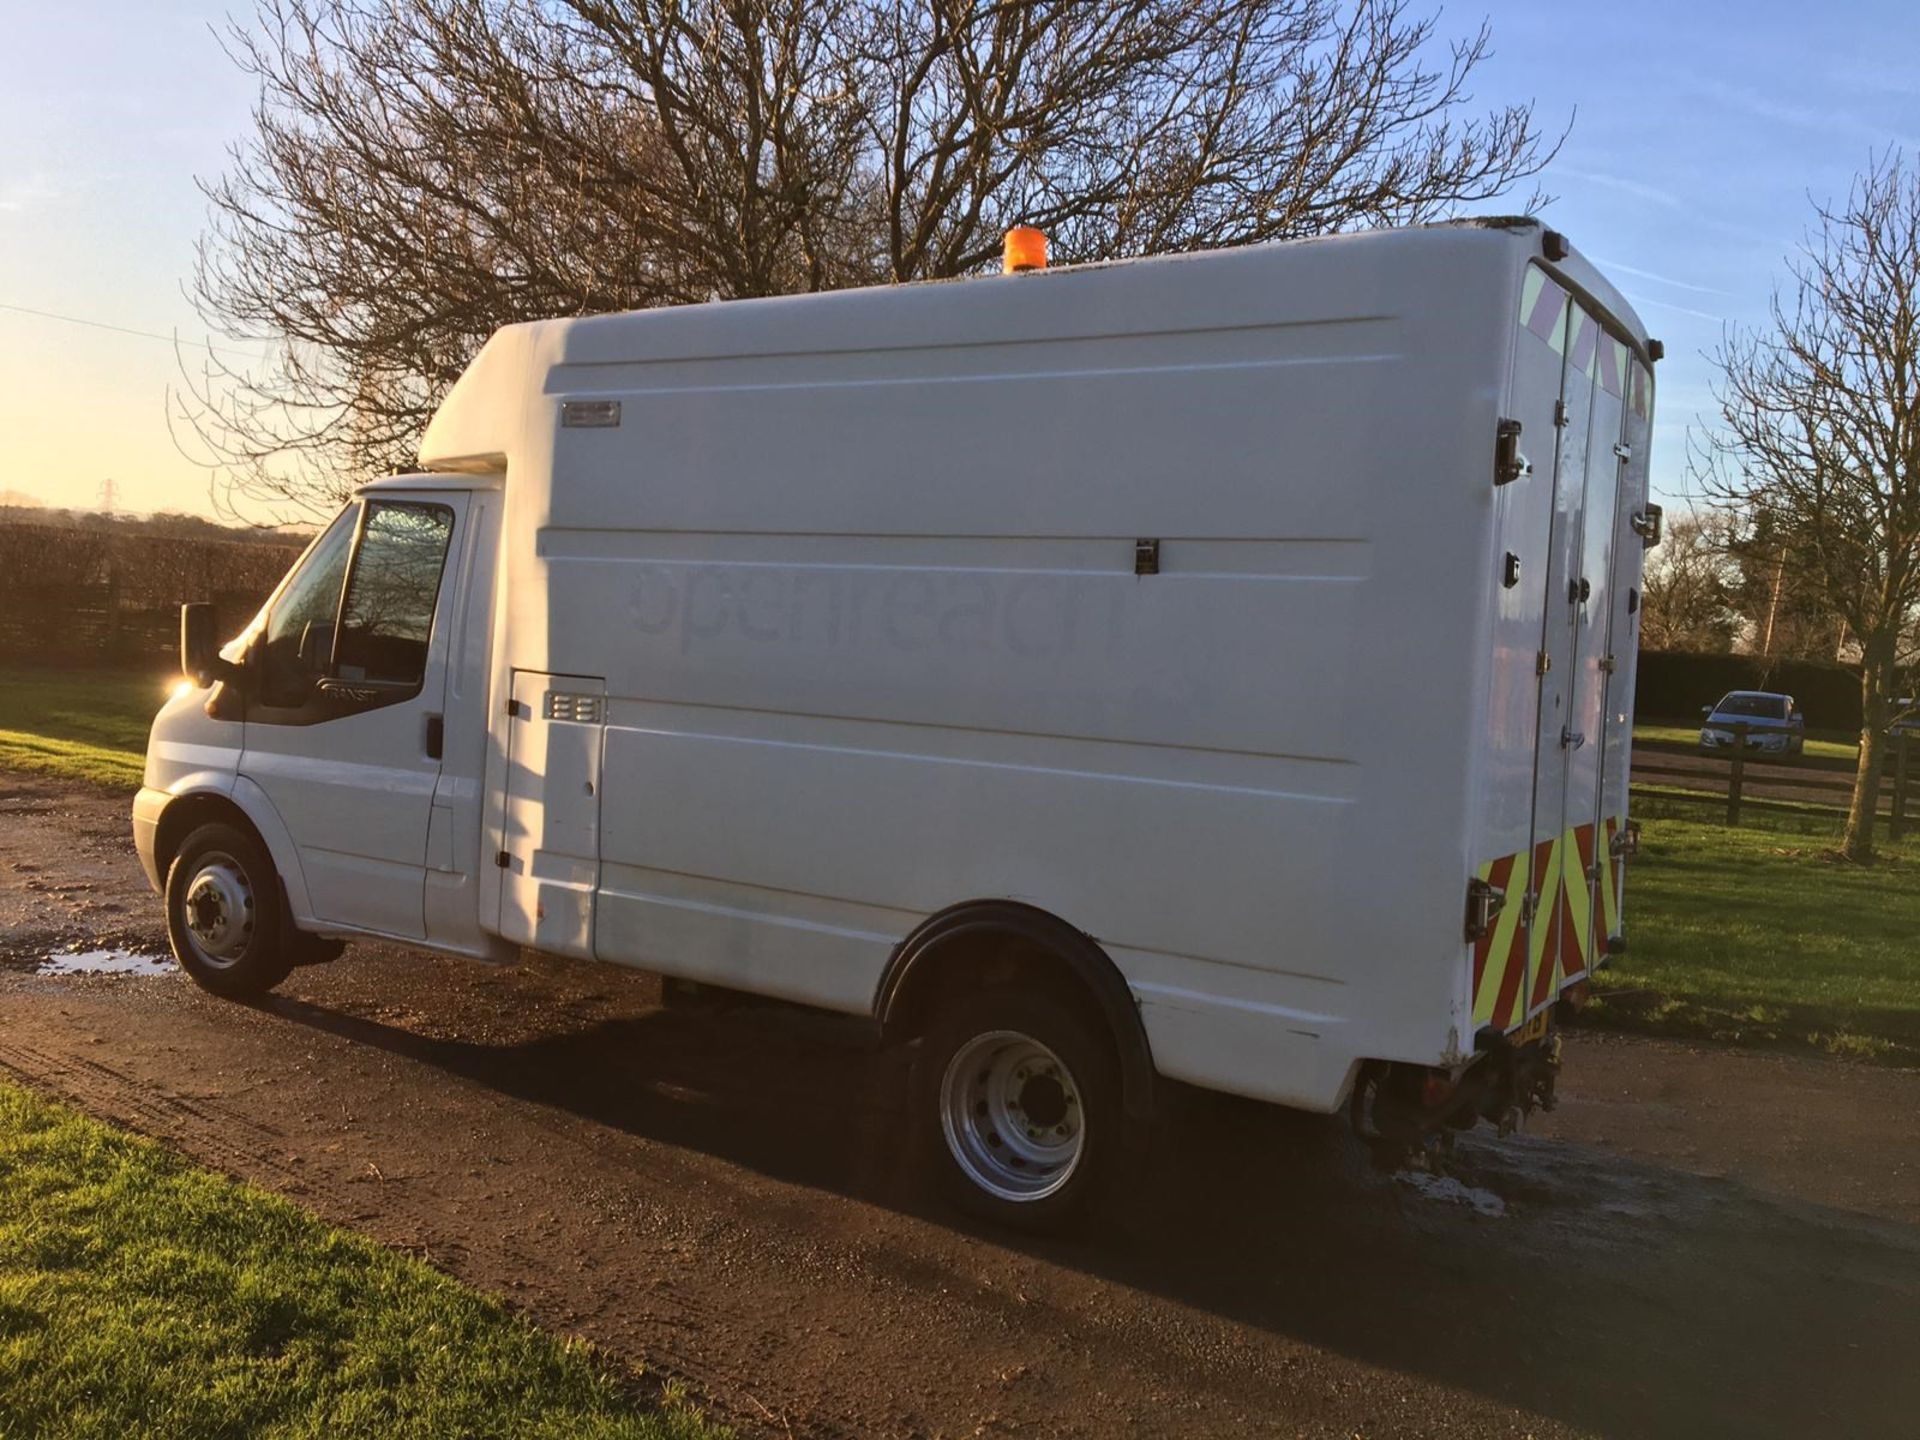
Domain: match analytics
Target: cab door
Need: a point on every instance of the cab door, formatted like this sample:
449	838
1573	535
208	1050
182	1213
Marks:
345	702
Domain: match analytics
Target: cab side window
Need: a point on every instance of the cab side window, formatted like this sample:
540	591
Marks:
386	617
298	645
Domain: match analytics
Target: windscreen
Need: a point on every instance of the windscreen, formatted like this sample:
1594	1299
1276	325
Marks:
1762	707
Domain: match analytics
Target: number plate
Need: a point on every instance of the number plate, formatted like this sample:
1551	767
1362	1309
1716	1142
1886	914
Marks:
1535	1028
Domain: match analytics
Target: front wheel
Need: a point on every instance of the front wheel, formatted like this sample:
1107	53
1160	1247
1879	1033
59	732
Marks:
223	913
1017	1103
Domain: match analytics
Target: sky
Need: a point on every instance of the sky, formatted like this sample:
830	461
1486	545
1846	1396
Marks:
1699	135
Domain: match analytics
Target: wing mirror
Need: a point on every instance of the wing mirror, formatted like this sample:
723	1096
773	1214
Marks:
200	658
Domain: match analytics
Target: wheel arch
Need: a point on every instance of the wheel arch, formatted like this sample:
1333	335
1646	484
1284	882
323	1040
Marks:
247	807
983	942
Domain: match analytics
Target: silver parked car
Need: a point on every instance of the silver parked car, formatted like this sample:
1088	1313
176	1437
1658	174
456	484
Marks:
1774	723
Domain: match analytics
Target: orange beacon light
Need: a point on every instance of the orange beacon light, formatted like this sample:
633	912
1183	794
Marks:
1026	249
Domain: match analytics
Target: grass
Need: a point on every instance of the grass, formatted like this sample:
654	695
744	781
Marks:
81	724
1763	936
140	1295
1689	736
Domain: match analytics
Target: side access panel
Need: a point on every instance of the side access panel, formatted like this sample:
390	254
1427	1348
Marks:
550	841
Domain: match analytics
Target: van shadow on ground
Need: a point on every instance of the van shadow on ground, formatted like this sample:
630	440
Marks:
1617	1297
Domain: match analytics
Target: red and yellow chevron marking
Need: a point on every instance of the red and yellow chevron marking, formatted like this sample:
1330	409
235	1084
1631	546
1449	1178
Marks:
1519	968
1609	880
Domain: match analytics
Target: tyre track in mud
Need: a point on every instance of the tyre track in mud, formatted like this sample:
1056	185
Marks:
720	1196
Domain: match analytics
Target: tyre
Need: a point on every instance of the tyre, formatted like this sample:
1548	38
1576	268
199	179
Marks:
223	913
1017	1108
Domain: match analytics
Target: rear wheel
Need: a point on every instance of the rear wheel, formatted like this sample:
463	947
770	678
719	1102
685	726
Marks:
1017	1103
223	913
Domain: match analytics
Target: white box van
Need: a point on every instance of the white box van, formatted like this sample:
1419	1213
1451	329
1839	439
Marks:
1214	669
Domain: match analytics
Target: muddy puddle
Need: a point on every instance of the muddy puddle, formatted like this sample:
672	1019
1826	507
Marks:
105	962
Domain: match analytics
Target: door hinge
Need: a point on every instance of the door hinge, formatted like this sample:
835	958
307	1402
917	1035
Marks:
1484	903
1623	451
1559	414
516	711
1605	664
1510	575
1530	906
1593	871
1542	662
1508	463
1146	557
502	859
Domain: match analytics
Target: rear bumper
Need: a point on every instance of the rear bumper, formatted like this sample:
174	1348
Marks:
147	807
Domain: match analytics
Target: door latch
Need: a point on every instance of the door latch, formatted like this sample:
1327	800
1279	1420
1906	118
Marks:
1647	524
1508	463
1571	739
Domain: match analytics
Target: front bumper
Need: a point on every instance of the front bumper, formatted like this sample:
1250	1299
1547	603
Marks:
147	806
1756	744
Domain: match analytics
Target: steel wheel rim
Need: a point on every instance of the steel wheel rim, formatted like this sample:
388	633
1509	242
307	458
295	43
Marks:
218	910
1013	1116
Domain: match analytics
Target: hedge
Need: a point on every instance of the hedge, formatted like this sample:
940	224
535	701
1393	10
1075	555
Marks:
1673	685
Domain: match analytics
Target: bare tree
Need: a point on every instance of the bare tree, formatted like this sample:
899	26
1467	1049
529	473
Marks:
421	172
1820	436
1688	593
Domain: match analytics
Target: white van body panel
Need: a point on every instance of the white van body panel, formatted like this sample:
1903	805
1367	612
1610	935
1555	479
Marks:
1171	598
856	572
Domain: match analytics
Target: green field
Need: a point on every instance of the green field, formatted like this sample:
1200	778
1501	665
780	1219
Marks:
140	1295
1761	935
84	724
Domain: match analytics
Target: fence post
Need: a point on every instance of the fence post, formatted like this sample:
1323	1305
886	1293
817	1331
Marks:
1738	773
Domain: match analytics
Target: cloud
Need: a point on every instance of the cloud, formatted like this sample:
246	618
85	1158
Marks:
1676	309
1624	269
1825	119
1639	189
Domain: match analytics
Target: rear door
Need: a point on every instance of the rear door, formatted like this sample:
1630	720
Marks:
1599	365
1622	647
1558	738
1530	530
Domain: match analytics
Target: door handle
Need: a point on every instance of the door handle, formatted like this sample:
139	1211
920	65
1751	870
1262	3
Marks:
436	735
